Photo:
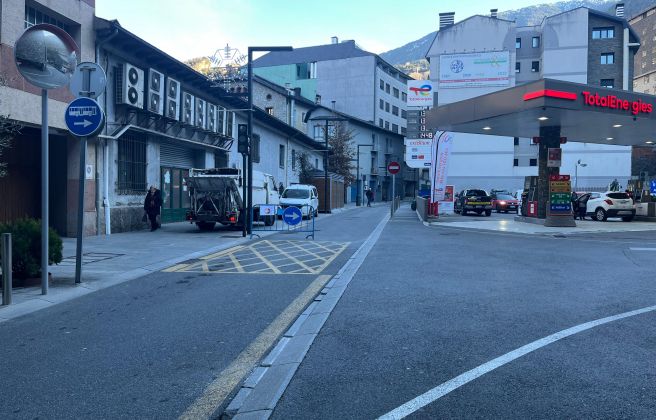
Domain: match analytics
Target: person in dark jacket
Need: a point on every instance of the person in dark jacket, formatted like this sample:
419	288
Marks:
370	196
152	206
583	204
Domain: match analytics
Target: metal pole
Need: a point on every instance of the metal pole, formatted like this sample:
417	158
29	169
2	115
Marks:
243	194
80	210
6	269
393	193
576	177
357	180
44	192
325	173
250	139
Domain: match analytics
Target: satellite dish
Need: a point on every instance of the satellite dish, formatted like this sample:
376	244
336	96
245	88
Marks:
46	56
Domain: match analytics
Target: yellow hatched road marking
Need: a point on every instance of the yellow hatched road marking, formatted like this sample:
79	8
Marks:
222	253
177	267
291	257
237	264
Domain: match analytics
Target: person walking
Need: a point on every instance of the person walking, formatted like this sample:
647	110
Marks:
152	206
370	196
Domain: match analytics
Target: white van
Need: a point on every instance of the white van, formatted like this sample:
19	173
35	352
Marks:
302	196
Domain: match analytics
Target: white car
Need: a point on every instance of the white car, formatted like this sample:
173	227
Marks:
302	196
601	206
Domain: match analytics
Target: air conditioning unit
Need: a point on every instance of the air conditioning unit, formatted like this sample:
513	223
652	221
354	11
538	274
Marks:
155	93
131	86
172	102
199	114
211	117
187	114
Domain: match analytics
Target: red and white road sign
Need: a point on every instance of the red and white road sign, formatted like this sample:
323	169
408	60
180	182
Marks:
394	168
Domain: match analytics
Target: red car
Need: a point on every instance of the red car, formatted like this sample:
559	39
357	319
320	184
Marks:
502	202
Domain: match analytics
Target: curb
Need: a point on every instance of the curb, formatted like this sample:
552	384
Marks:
261	391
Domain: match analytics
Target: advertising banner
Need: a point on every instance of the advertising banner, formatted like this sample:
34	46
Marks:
554	157
420	93
440	153
474	70
446	206
418	156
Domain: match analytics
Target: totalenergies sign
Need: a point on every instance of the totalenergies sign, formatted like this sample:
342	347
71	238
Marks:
420	93
612	101
594	99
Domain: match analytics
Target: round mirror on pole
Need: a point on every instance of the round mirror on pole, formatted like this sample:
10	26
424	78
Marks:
46	56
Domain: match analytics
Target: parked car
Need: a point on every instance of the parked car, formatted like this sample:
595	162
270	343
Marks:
503	202
601	206
302	196
473	199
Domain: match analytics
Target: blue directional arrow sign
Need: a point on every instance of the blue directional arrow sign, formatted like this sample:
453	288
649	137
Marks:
84	117
292	216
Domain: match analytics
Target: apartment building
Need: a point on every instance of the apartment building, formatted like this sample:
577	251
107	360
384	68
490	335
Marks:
580	45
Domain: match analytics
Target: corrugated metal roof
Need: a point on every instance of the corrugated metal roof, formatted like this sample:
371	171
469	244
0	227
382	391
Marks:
346	49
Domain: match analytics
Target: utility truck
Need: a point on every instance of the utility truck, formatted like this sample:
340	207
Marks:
216	197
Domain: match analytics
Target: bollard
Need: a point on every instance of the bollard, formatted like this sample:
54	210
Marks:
6	269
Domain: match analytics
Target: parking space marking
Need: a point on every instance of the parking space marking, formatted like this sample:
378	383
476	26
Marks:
268	257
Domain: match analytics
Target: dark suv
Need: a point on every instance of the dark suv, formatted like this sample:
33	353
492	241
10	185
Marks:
474	200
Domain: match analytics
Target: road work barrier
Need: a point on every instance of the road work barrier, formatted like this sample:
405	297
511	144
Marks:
277	218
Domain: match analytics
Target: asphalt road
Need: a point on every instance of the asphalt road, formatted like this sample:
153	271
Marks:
431	303
149	348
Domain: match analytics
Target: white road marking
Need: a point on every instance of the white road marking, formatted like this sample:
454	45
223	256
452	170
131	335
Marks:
642	249
460	380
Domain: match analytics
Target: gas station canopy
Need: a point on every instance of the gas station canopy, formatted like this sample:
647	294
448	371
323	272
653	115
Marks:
584	113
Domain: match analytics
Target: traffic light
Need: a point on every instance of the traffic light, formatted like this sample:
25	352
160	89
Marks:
242	138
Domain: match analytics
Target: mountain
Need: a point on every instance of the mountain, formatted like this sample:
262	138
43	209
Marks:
532	15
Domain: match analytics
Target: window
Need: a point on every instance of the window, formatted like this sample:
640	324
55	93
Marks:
293	159
380	122
387	106
35	17
382	84
312	74
386	125
533	162
518	43
395	110
316	163
403	130
404	96
395	128
255	148
516	140
317	99
603	33
303	117
281	156
515	162
535	42
318	133
229	120
404	114
608	83
396	92
518	66
387	87
381	104
132	164
535	66
269	110
607	58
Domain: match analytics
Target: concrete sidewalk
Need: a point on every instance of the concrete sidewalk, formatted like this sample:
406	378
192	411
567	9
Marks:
120	257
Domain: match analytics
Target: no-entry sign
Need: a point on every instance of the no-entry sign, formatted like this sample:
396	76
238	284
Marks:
394	168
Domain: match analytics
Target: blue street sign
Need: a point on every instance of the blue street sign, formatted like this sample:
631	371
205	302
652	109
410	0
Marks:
652	187
292	216
559	208
84	117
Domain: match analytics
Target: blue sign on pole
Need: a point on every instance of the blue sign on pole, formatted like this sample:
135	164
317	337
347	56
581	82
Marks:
84	117
652	187
292	216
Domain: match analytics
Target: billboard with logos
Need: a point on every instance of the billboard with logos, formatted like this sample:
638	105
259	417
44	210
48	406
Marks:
420	93
474	70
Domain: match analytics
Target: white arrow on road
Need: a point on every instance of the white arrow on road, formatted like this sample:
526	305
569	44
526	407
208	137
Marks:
84	123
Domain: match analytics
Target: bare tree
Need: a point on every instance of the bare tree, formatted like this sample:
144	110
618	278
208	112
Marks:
305	169
342	153
8	130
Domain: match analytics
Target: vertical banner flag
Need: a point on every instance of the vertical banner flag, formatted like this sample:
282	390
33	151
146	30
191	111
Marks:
441	150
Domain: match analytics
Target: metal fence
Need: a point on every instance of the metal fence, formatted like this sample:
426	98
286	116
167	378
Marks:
290	219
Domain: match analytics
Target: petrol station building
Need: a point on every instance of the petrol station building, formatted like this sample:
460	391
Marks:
552	113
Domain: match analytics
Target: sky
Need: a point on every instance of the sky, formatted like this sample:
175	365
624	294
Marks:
195	28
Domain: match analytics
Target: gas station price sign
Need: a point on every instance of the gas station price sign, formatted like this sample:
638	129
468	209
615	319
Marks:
560	193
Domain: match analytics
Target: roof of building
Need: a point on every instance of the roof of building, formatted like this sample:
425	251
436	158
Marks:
350	118
111	32
282	90
338	51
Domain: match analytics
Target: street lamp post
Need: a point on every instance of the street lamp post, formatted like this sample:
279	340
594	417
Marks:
576	173
358	197
251	50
